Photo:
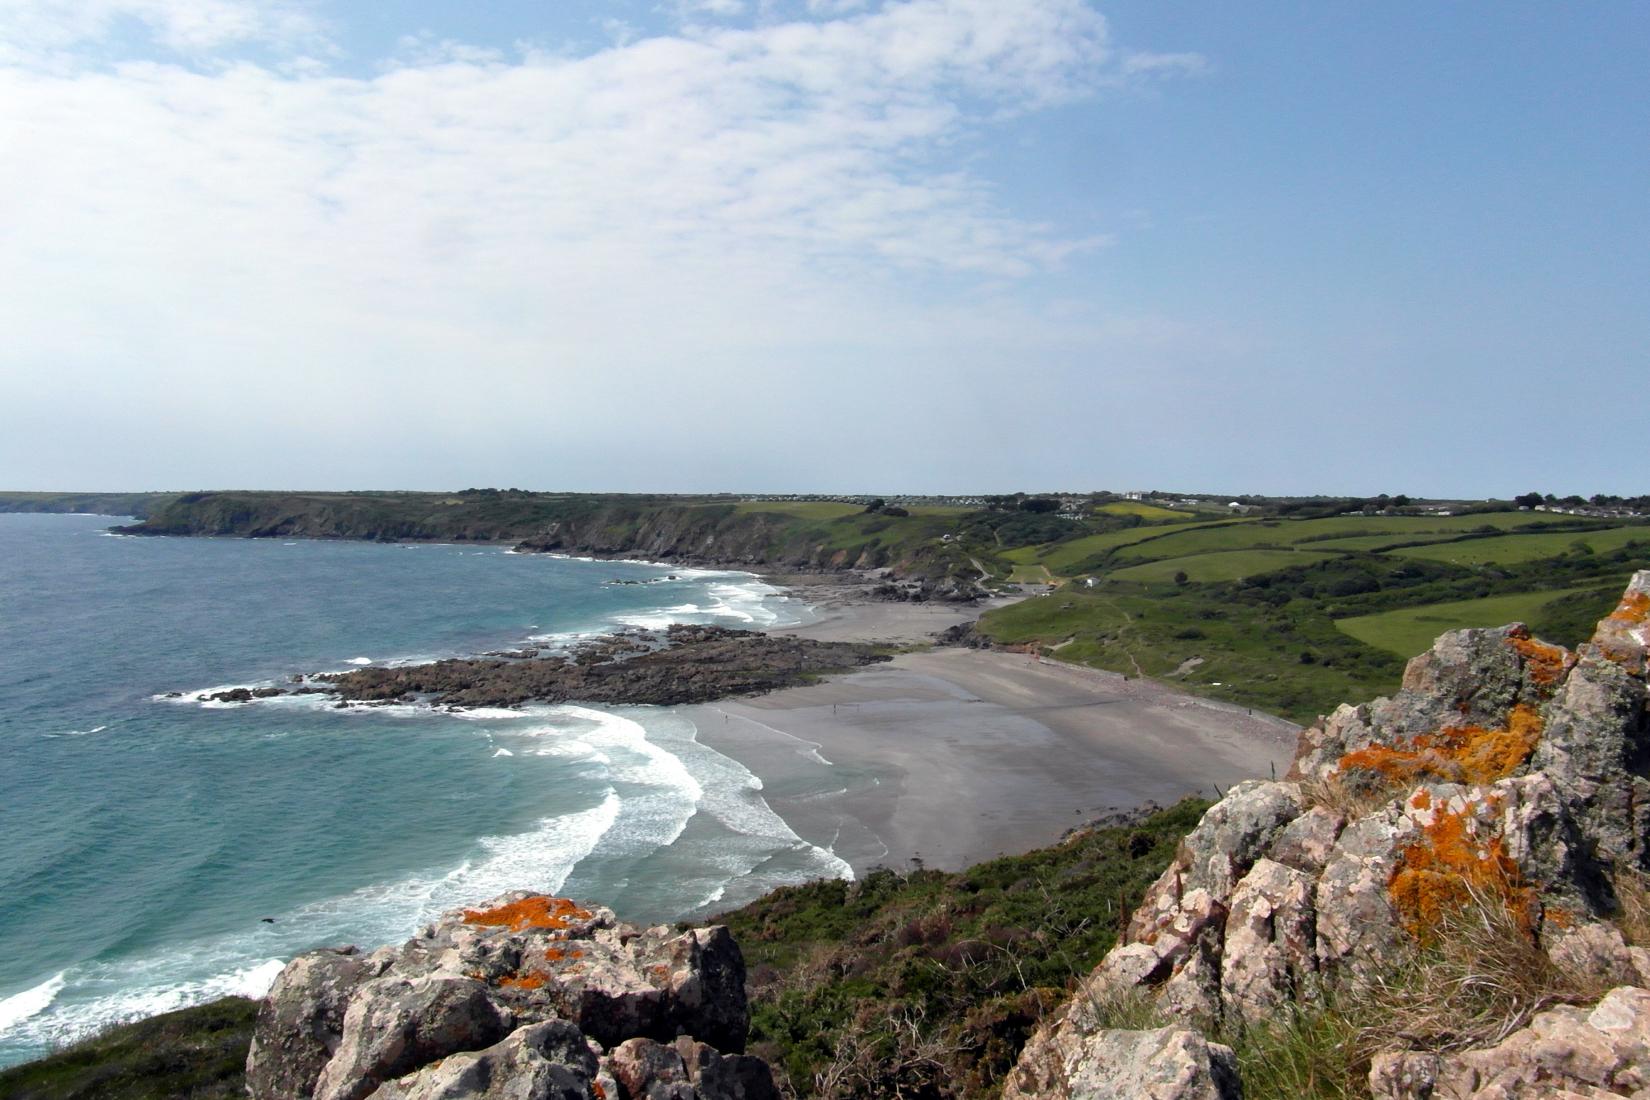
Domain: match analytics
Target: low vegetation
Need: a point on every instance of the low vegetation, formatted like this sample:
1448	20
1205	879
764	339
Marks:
198	1053
927	983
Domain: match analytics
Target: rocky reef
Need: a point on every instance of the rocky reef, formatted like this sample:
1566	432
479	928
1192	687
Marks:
689	664
1497	807
525	997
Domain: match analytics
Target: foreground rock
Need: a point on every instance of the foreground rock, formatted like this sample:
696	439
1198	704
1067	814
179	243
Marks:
691	664
526	997
1567	1051
1508	777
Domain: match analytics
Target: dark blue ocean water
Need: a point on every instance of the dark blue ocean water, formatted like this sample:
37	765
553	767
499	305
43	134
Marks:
143	839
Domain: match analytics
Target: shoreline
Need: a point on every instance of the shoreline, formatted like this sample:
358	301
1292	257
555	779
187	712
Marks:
952	756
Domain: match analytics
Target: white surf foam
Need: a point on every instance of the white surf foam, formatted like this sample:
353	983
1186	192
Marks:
661	794
359	661
31	1002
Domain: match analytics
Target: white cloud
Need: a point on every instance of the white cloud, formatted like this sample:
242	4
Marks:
468	238
44	31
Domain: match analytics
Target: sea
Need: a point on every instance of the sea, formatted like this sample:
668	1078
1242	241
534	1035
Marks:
158	850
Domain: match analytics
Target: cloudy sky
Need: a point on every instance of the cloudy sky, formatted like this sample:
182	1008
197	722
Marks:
909	245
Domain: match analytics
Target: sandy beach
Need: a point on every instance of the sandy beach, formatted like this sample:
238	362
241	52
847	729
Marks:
956	755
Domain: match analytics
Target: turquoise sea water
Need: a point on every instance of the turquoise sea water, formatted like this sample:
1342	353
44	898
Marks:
143	840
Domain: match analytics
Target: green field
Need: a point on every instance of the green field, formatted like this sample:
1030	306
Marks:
802	509
1412	630
1063	557
1519	548
1354	543
1251	534
1136	508
1231	566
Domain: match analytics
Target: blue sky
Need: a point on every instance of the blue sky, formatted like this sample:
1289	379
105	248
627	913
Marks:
915	245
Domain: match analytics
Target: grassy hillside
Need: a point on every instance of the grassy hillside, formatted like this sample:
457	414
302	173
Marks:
198	1053
1293	616
1568	613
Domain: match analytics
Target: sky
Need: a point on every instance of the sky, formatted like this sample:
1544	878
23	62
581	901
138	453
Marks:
913	246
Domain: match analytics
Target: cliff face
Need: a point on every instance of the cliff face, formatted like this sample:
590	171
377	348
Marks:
1438	869
655	528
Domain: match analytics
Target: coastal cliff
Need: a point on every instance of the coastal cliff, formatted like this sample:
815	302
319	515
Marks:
692	531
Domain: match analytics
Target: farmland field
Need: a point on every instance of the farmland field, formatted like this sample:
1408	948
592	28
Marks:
1230	566
1411	630
1520	548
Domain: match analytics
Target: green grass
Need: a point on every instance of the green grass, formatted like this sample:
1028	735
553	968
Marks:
198	1053
802	509
1231	566
1529	547
1064	558
1209	538
1136	508
1381	541
1411	630
1288	660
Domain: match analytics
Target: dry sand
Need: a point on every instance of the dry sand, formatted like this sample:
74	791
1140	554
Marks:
957	755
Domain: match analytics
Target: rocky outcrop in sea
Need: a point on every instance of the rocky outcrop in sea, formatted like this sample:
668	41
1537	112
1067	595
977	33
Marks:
525	997
1499	803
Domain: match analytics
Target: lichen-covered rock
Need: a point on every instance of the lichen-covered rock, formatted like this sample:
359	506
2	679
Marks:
687	1070
1270	936
1357	924
1597	1052
469	990
1505	772
646	1070
548	1061
395	1025
301	1022
1164	1064
1307	842
1234	833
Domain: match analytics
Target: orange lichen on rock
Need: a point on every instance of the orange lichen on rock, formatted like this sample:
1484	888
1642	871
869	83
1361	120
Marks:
1460	754
1544	664
538	911
1618	638
1449	868
524	981
1633	609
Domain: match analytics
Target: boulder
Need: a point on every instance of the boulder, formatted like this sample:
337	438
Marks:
301	1021
1268	957
1597	1052
468	1003
548	1061
1164	1064
395	1025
